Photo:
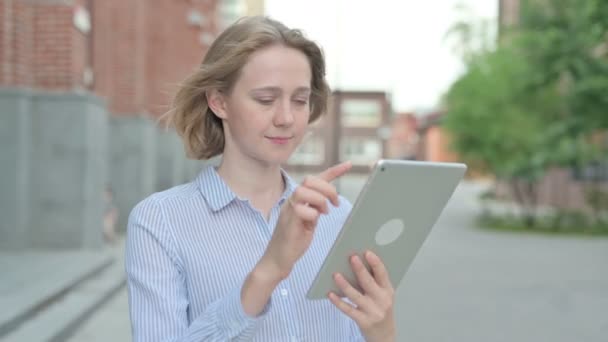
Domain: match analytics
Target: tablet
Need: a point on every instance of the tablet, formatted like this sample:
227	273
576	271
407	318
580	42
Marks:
392	217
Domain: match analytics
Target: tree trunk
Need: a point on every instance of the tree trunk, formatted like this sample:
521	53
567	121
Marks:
526	197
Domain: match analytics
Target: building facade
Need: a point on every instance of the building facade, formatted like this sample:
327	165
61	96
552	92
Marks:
82	84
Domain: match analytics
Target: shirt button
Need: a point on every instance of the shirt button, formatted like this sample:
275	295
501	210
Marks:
284	292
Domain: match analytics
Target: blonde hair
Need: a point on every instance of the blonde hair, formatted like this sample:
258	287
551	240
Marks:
200	129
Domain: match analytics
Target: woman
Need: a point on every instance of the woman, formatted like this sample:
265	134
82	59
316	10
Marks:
230	255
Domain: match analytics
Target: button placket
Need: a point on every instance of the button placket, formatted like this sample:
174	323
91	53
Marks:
258	218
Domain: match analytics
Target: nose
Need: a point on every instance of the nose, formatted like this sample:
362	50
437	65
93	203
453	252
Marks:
283	116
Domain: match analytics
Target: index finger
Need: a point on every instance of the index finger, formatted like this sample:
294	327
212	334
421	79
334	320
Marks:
335	171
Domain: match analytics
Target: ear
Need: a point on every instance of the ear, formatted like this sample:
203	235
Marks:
217	103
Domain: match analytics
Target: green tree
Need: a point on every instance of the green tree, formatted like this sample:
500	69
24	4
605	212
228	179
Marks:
494	118
534	101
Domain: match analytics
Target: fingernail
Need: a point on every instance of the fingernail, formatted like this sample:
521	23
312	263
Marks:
371	256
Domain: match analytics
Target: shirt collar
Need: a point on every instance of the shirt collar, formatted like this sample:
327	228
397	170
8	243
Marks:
218	194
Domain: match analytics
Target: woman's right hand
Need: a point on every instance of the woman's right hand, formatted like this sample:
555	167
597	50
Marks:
298	219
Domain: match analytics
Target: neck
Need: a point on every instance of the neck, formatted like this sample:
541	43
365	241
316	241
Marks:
261	184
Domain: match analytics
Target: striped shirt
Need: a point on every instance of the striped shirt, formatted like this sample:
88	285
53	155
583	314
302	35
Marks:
188	252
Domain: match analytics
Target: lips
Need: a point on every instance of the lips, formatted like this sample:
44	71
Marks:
279	139
282	138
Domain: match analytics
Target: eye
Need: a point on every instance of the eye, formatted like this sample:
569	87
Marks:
301	102
265	102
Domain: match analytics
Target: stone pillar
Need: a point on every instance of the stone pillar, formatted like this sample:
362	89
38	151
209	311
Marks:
14	167
171	159
132	162
55	150
68	157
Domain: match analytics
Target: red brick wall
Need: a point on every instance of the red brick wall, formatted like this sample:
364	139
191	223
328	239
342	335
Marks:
437	145
118	53
138	50
17	39
40	48
80	50
174	47
103	47
404	136
142	51
53	47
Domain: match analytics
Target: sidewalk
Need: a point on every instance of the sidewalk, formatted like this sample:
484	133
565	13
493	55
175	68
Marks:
45	295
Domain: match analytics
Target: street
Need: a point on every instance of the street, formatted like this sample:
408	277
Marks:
468	284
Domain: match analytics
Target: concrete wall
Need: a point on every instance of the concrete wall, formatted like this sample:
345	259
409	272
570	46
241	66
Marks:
14	166
145	158
58	151
68	137
170	161
133	143
54	156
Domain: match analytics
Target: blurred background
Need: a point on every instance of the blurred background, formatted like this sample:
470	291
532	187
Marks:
517	89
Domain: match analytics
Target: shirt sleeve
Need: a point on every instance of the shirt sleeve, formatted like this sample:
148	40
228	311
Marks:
158	301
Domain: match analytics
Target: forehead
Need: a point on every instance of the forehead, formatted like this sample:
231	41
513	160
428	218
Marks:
278	66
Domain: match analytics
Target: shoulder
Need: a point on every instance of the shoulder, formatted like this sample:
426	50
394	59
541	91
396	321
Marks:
155	206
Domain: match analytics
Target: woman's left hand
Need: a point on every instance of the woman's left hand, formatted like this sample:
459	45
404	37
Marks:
372	310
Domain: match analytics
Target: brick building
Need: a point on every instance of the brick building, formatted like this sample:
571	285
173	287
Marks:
128	52
41	48
434	144
508	12
81	85
355	128
404	140
141	51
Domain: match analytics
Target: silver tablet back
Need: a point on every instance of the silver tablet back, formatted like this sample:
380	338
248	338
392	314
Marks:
393	215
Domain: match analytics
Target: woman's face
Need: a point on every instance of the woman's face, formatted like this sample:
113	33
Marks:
266	113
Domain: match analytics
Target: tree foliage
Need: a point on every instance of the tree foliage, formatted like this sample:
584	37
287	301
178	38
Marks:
534	101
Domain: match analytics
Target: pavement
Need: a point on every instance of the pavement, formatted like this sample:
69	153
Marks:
469	284
47	295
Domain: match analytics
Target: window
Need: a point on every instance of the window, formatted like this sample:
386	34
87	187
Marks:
310	152
360	150
361	113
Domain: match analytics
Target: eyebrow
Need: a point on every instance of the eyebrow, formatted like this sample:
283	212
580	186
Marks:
278	90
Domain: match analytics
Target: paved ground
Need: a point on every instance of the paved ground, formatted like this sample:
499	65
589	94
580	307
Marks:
110	323
473	285
31	280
